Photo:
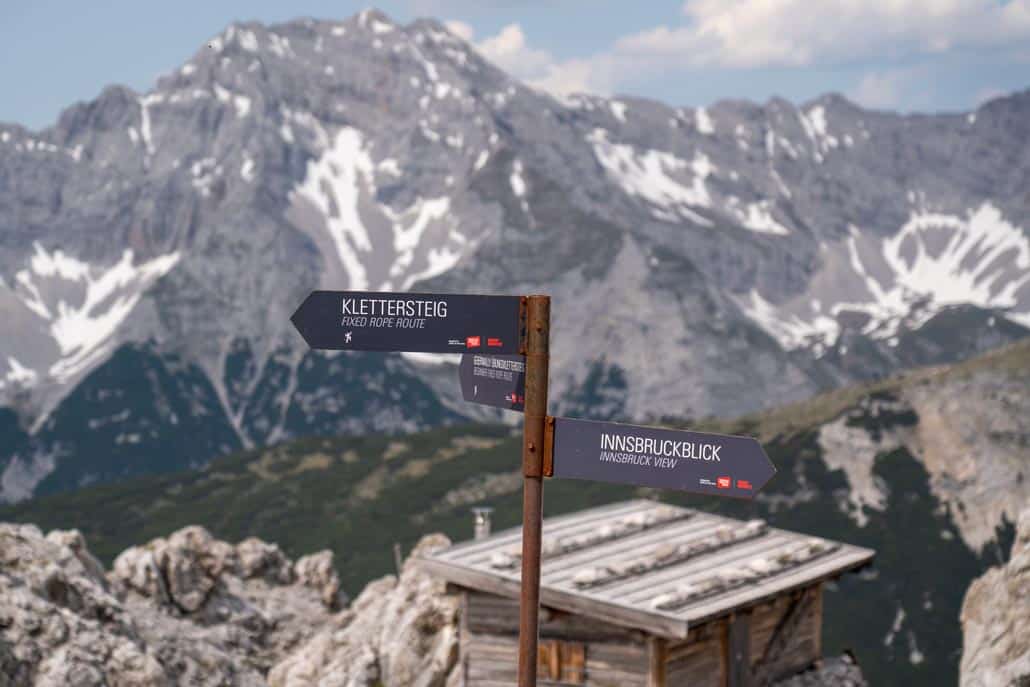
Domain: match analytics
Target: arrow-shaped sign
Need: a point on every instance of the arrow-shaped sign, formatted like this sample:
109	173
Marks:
494	380
419	322
702	463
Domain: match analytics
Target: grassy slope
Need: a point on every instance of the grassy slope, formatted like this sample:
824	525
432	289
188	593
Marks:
360	495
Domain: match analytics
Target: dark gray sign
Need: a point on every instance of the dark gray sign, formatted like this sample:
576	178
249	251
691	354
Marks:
713	464
419	322
494	380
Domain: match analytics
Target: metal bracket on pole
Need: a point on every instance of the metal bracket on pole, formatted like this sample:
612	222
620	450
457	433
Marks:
534	445
549	447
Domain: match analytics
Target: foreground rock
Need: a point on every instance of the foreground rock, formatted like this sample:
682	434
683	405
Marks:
996	620
188	609
398	632
59	623
192	610
836	672
247	601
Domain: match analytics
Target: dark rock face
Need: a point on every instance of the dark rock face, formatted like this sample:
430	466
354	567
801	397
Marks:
701	261
835	672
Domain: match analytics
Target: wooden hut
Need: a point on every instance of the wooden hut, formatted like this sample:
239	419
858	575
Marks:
644	594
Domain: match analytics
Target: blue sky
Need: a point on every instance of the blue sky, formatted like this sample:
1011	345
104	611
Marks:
914	55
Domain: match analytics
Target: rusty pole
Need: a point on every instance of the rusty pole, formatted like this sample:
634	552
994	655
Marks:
538	329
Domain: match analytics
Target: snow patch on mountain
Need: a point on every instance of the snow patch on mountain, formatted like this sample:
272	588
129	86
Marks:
980	259
432	73
341	186
518	184
248	41
652	176
939	260
389	165
83	331
407	238
815	125
439	260
789	329
18	374
334	183
319	135
240	102
380	27
758	217
932	262
144	126
703	122
82	305
484	155
280	46
204	173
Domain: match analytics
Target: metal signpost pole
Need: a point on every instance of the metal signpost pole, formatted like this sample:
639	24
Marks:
538	328
499	331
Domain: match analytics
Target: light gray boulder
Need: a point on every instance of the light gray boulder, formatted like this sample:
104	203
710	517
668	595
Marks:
996	620
188	609
59	624
398	632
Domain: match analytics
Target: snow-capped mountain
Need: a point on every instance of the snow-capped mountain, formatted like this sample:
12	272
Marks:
701	260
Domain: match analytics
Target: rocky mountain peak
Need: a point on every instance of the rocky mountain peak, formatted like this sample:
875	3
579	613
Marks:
835	101
823	244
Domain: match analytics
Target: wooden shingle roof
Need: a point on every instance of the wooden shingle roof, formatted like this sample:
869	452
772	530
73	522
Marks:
651	566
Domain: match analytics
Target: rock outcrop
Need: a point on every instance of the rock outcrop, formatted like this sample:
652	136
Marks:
249	600
399	631
193	610
835	672
189	609
996	620
59	623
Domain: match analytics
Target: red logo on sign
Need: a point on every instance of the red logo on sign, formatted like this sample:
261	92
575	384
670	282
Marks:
723	482
472	342
495	343
743	484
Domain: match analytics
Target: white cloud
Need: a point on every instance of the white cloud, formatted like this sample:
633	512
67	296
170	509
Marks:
574	76
460	29
776	33
509	51
747	34
893	88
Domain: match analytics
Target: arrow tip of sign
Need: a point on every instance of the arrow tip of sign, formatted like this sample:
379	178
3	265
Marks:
297	321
